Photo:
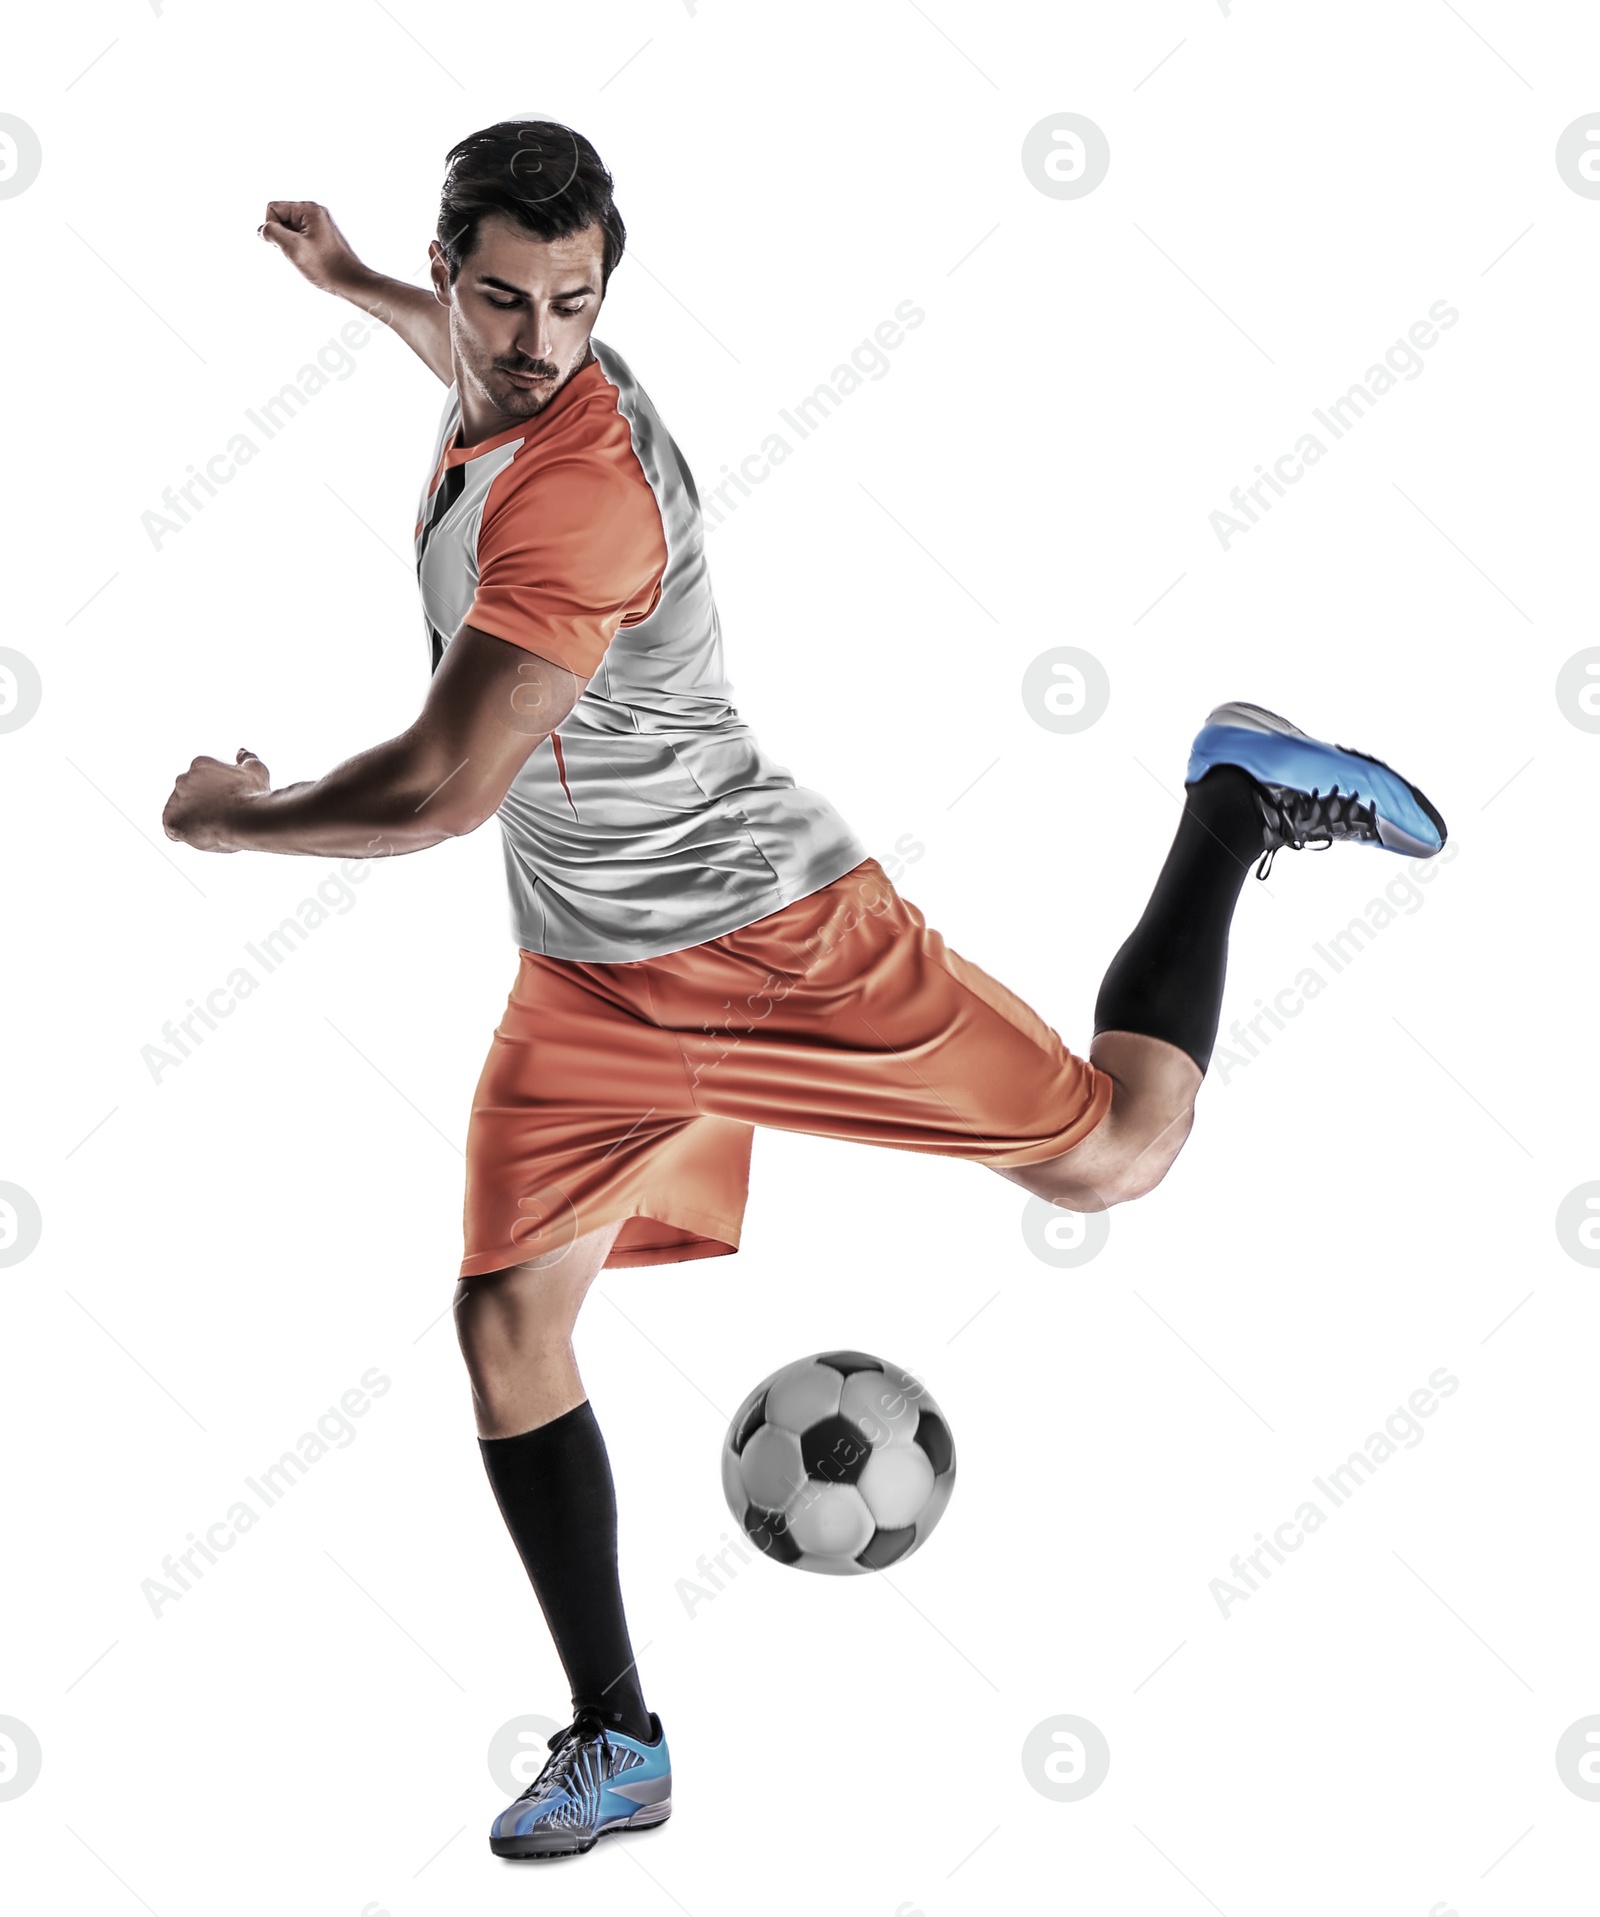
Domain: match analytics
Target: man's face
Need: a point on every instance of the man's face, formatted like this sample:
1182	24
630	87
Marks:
521	312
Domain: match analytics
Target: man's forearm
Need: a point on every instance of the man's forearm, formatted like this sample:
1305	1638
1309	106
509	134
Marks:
410	311
489	706
385	801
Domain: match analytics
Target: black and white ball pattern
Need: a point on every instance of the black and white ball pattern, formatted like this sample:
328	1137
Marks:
838	1463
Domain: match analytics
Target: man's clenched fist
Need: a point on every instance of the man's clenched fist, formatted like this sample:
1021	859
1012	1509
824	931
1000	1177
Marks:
306	235
207	796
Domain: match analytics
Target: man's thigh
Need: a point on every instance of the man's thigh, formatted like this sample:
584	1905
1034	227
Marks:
847	1016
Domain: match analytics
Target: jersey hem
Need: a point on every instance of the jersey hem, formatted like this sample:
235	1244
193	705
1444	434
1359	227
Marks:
821	872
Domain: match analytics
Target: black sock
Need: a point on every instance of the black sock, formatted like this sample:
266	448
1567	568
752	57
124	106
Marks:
1166	982
554	1488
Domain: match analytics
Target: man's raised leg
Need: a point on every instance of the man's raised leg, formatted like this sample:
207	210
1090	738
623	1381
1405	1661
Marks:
1159	1005
1255	785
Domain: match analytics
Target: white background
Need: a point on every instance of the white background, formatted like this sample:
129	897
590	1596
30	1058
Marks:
1363	1202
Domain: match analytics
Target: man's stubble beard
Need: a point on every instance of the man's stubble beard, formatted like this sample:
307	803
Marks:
514	402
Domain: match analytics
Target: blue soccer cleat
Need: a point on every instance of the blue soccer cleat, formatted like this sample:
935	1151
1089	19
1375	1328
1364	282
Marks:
1314	793
596	1781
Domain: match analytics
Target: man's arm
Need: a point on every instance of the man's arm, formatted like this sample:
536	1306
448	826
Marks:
307	237
489	704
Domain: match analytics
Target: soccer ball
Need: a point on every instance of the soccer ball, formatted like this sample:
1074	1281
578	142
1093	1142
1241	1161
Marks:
838	1463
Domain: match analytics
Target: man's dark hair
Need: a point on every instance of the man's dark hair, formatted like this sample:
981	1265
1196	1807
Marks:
544	176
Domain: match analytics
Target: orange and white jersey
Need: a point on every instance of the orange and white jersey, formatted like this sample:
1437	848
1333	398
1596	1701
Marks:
651	820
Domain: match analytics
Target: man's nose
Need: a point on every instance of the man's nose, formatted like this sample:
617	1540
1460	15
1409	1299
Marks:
533	338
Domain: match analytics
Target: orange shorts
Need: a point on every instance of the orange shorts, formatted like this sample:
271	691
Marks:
631	1090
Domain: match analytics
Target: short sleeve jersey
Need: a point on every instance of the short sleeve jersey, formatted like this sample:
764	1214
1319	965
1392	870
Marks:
651	820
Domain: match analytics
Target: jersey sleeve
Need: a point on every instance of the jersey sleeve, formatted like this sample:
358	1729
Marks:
569	551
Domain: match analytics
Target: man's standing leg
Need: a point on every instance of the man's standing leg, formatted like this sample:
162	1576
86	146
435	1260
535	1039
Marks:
547	1463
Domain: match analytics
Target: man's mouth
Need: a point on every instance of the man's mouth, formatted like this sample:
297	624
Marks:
529	379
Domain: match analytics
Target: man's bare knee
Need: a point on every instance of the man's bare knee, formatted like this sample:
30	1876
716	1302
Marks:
1074	1191
1138	1178
1107	1169
515	1325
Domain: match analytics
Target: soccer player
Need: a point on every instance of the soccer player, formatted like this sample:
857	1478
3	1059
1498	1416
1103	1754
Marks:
704	946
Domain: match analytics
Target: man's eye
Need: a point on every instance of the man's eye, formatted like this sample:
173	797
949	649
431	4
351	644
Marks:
568	312
504	305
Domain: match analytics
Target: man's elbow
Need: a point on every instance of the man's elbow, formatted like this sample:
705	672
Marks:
448	815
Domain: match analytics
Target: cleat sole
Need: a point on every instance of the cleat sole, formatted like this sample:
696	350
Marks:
533	1848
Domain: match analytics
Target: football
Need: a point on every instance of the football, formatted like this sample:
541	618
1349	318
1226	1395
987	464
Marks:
838	1463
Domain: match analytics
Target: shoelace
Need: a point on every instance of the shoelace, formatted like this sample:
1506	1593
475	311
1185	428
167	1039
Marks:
586	1728
1309	822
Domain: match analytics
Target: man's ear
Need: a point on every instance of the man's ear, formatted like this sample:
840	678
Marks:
439	273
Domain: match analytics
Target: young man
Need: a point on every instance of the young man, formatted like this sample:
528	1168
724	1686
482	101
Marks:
704	946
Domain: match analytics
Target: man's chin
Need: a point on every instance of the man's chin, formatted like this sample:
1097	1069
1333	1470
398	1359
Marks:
522	402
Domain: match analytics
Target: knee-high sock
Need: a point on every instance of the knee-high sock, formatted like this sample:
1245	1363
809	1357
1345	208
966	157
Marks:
554	1488
1166	982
